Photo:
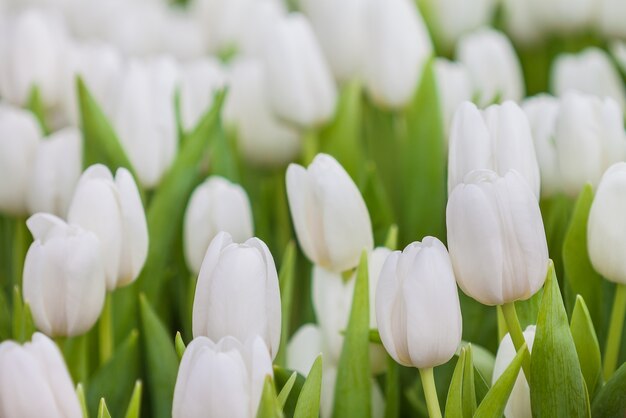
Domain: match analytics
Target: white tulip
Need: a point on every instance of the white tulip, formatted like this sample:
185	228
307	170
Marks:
417	305
142	113
64	280
590	71
521	22
19	137
215	205
56	169
329	214
606	230
33	50
564	16
498	138
612	14
494	68
122	28
222	21
496	237
261	137
518	405
221	380
237	292
35	382
260	17
300	86
340	28
199	81
112	209
454	87
182	36
398	48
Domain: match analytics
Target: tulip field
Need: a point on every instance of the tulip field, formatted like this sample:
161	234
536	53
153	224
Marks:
312	208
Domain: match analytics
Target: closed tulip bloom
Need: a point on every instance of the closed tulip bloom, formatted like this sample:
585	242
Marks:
496	237
112	209
329	214
416	286
300	85
200	80
454	87
237	292
611	18
590	71
494	68
518	405
64	280
262	138
35	381
216	205
19	137
221	380
56	169
564	16
222	21
182	36
498	138
521	22
607	227
398	47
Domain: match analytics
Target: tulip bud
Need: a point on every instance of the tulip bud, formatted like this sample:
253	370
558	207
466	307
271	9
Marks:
35	382
121	29
496	237
142	113
200	80
454	87
223	379
56	169
112	209
612	17
222	21
181	35
518	405
606	229
564	16
329	215
415	287
244	273
398	48
64	280
493	66
261	137
590	71
520	21
216	205
300	85
497	138
19	137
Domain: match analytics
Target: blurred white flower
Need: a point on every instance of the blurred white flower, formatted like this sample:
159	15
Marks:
454	87
199	81
564	16
182	36
521	21
64	280
494	68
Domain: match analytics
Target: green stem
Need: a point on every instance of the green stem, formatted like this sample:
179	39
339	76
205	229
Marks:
515	330
310	146
616	325
430	392
20	246
105	331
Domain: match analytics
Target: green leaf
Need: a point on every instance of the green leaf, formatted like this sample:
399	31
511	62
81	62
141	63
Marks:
103	411
610	401
281	378
377	202
101	143
134	406
161	360
469	390
557	387
115	379
495	401
374	336
587	346
483	361
23	327
454	400
391	241
269	406
308	405
581	278
36	106
80	393
353	385
180	345
286	280
392	389
286	389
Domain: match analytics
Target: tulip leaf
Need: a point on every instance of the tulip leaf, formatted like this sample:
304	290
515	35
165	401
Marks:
281	378
161	360
469	390
5	317
37	108
454	400
424	162
483	361
23	327
391	241
269	406
286	389
101	143
286	278
308	405
492	406
353	385
610	400
377	201
80	394
557	387
392	389
374	336
580	276
103	411
134	406
115	378
180	345
587	346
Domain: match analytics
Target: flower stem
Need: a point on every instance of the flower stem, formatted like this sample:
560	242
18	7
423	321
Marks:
430	392
515	330
310	145
20	246
611	350
105	331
